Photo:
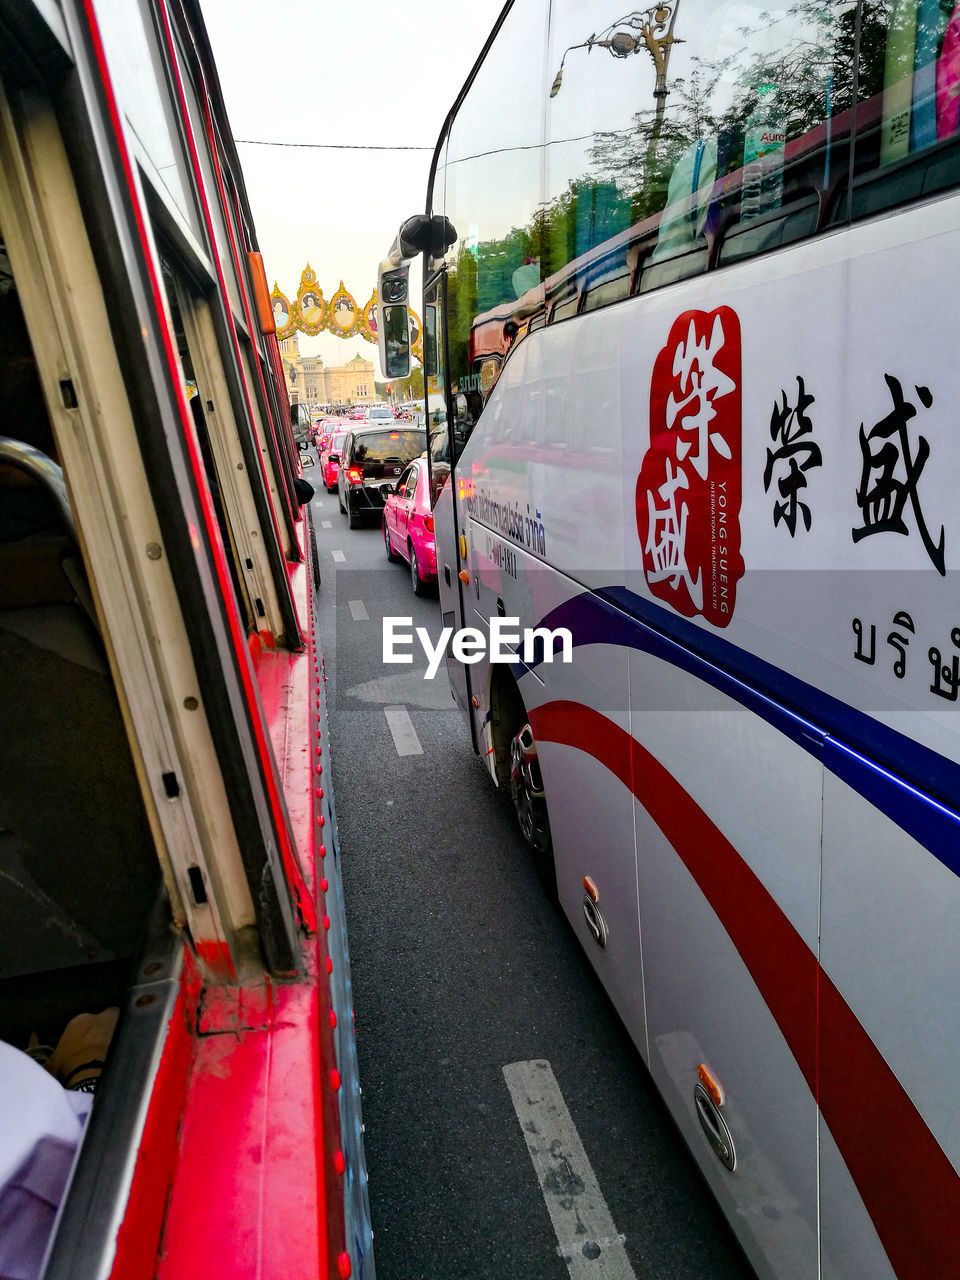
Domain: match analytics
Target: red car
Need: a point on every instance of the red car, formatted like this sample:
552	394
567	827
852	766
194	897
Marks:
408	525
330	460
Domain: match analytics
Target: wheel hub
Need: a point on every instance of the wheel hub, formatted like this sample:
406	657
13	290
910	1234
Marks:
526	785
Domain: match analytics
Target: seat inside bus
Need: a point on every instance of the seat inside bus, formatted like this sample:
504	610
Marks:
78	868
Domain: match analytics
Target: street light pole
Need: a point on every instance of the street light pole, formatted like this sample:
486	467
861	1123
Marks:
654	32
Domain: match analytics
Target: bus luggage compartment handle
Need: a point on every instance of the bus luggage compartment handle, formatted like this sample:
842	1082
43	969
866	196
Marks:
715	1127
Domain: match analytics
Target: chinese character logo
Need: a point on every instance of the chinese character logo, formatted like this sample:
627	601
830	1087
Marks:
788	425
689	487
890	472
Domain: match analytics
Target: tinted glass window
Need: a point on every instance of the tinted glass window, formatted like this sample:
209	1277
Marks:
388	446
138	72
908	104
380	413
493	191
693	134
644	149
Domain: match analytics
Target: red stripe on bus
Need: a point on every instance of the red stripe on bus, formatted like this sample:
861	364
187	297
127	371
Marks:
907	1183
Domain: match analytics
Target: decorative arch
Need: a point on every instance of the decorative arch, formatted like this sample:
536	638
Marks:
311	314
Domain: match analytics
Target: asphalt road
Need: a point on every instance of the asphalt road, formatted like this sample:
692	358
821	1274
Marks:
461	967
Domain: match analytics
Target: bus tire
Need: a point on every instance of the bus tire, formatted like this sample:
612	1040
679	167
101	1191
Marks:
513	766
526	790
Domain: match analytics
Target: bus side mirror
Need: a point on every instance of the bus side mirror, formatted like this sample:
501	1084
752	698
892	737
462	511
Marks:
393	320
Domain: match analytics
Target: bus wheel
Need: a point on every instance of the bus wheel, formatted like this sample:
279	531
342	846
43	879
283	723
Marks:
526	787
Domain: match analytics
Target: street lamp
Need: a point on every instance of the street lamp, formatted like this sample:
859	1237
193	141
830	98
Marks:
650	29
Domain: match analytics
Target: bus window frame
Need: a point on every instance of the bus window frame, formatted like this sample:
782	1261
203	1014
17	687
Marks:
126	266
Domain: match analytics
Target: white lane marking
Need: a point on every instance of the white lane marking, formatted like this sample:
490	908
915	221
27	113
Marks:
326	524
404	734
589	1242
359	611
338	555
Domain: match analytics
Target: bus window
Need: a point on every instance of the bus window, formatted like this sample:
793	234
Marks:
496	260
136	64
199	396
439	458
736	122
79	869
609	283
908	91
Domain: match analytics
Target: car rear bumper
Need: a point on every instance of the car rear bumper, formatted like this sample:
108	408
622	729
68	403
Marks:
370	497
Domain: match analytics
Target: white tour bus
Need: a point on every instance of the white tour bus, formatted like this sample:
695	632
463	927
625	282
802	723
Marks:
688	310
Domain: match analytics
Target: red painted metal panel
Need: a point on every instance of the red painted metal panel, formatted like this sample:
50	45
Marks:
284	681
259	1187
139	1232
909	1187
249	1197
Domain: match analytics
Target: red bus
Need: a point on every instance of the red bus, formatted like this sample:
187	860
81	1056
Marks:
168	842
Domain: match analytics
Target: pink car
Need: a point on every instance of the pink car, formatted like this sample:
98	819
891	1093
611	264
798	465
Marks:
330	460
408	525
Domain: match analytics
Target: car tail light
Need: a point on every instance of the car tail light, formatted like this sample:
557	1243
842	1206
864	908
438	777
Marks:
355	475
428	523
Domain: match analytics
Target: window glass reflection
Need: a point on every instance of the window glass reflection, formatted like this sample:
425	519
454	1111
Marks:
137	71
908	103
691	135
493	192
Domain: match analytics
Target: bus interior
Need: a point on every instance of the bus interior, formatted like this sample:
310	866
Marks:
80	872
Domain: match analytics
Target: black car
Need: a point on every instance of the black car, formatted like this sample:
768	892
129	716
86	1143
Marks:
371	461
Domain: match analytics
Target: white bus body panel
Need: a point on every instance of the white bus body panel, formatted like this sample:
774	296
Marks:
764	716
763	794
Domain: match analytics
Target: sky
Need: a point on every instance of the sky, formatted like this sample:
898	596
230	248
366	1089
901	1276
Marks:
368	74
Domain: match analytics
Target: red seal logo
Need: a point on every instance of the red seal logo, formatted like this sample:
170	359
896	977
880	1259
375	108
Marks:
689	487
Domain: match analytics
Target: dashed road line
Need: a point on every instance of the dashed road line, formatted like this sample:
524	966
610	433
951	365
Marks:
589	1243
326	524
338	556
359	611
404	734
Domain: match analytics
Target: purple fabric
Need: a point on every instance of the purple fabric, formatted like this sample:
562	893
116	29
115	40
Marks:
28	1206
41	1124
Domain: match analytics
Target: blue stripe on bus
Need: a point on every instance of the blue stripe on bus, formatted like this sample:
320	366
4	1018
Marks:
909	783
